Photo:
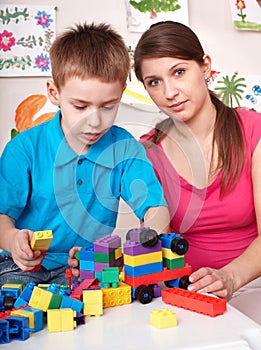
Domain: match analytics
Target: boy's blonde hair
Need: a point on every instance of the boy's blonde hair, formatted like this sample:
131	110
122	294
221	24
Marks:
89	51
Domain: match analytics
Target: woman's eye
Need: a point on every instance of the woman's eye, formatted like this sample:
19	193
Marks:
179	71
154	82
109	108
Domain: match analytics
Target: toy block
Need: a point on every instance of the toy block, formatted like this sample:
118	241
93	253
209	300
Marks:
104	257
142	259
85	284
41	240
116	263
93	302
86	265
142	270
4	332
175	242
110	277
168	253
86	274
118	253
164	318
174	263
164	275
13	292
86	253
107	244
14	284
116	296
61	320
146	236
201	303
40	299
35	316
18	327
74	304
135	248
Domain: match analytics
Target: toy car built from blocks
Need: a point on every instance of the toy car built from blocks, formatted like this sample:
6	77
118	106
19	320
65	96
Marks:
150	258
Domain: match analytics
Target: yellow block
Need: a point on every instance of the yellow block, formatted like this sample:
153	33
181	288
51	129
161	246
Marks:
164	318
61	320
168	254
40	299
142	259
116	296
41	240
23	313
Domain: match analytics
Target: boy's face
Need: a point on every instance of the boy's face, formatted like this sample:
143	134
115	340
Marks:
88	108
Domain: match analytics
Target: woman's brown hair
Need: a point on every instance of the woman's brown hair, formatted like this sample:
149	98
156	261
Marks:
173	39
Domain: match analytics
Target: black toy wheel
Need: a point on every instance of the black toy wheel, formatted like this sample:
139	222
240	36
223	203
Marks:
144	294
179	246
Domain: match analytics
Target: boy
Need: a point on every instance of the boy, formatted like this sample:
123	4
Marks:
68	175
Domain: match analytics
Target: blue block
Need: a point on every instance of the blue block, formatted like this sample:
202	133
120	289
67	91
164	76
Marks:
71	303
166	239
27	292
87	253
86	265
18	327
4	332
38	318
143	269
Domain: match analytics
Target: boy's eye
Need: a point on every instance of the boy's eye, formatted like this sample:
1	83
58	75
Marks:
79	107
109	107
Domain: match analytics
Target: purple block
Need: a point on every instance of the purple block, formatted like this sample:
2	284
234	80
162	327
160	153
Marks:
107	244
86	274
156	290
134	248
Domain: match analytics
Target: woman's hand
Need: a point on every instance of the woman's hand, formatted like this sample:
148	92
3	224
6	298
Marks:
73	262
208	280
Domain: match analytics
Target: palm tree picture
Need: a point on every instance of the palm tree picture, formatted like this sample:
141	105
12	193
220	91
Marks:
231	89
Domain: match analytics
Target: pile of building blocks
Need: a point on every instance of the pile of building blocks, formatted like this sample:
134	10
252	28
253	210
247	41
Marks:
109	276
201	303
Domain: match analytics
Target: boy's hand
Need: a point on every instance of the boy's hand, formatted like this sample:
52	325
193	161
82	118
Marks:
22	254
73	262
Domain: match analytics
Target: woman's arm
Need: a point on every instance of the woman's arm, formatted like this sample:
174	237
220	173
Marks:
247	266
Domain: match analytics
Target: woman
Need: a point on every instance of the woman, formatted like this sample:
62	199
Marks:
207	157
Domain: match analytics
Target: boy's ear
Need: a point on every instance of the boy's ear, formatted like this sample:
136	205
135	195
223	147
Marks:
53	92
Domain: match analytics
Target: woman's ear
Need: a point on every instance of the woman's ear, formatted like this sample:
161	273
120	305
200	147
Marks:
207	65
53	93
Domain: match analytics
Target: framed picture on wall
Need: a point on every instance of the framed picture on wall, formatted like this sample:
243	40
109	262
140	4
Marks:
26	35
246	14
141	14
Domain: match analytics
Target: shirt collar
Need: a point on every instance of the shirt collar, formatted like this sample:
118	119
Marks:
101	152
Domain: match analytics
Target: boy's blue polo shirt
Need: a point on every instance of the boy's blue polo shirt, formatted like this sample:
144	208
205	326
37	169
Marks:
44	185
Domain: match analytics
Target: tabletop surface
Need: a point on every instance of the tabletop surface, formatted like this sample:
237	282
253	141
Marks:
128	327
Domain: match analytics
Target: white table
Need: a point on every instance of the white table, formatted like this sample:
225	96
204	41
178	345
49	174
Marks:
128	327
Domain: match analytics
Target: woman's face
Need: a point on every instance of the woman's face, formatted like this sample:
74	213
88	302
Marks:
177	86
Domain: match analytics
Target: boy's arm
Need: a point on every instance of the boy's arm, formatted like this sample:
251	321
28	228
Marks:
17	242
158	219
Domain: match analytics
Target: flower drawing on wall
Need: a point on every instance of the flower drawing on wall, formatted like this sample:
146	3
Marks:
7	40
25	39
246	14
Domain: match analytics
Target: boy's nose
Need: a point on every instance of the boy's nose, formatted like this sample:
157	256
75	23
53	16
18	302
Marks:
93	119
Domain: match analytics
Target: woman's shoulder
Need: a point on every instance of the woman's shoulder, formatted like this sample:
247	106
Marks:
249	116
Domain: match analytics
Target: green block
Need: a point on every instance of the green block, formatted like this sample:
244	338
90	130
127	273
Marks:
104	258
55	301
173	264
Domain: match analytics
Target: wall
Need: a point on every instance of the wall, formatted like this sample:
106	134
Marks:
231	50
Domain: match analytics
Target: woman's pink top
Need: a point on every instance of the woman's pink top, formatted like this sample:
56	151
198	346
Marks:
217	229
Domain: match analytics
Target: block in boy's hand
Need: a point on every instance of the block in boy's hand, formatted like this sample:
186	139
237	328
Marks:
41	241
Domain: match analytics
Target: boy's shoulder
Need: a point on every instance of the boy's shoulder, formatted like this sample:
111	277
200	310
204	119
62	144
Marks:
120	133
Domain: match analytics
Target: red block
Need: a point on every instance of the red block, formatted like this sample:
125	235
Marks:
201	303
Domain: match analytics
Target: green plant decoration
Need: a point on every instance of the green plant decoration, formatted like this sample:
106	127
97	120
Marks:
233	88
155	6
